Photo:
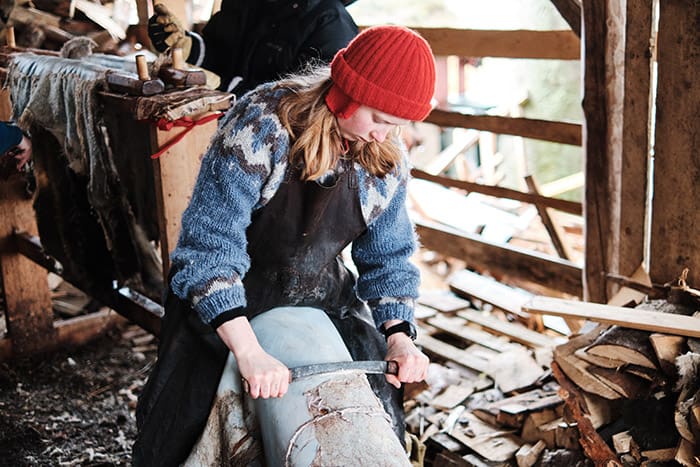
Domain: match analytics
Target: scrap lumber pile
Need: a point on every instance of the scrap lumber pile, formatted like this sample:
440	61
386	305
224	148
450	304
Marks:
506	390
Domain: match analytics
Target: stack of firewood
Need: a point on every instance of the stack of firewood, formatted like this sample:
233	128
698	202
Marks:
611	394
640	391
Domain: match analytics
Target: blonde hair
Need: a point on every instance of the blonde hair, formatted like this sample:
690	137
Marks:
315	137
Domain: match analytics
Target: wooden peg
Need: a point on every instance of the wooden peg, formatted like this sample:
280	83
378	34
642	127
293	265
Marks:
142	68
178	61
10	37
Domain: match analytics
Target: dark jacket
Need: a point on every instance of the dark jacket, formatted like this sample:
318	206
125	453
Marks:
10	136
263	40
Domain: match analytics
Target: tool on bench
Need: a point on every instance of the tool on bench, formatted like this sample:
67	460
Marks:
140	85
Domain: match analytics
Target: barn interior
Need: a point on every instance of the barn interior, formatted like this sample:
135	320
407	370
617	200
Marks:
560	310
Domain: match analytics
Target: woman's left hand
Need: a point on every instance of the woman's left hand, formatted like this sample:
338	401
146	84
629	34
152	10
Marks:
413	364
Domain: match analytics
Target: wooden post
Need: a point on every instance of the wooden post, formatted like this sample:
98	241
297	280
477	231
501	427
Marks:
25	290
616	108
675	222
175	173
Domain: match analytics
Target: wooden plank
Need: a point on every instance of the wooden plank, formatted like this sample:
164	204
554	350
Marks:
443	300
558	45
457	327
570	10
676	220
449	352
557	132
175	173
471	284
633	318
499	258
571	207
515	332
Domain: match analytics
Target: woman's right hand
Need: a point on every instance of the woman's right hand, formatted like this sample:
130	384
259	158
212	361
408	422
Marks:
264	375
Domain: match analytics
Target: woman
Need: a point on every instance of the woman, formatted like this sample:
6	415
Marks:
297	171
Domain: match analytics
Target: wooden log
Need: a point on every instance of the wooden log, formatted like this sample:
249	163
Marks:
533	427
628	385
630	345
631	318
577	370
591	442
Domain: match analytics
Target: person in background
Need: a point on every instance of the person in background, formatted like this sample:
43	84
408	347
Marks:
298	170
248	42
15	144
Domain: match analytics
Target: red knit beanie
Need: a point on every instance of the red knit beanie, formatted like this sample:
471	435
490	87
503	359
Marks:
388	68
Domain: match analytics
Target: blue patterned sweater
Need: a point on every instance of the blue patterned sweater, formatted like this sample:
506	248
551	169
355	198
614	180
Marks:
241	171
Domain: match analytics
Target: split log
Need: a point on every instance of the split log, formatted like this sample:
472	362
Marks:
512	411
593	445
528	455
667	348
630	345
533	427
630	386
578	370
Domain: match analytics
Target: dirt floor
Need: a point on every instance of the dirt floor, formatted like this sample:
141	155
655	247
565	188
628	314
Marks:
74	407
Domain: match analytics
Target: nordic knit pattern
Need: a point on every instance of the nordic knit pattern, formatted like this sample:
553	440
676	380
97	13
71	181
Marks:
240	173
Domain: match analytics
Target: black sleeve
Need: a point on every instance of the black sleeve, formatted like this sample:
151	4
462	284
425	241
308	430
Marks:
10	136
333	30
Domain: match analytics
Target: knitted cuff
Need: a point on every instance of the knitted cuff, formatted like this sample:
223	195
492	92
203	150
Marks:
227	315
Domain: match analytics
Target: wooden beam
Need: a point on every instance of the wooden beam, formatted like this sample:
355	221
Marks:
633	318
556	233
558	45
600	94
570	10
125	301
71	332
25	289
675	221
553	272
557	132
571	207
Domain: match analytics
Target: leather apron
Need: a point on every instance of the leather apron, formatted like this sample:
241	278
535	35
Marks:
294	243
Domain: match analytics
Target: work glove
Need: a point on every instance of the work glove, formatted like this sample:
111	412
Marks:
165	31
